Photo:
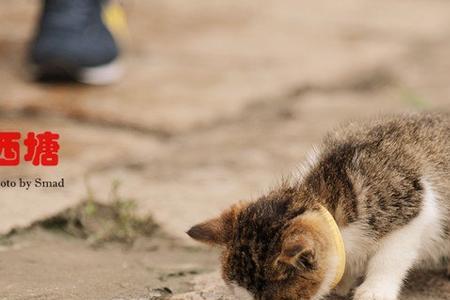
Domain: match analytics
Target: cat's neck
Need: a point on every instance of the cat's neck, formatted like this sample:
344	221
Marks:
336	193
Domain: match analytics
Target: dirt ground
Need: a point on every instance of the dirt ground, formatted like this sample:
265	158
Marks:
219	100
47	265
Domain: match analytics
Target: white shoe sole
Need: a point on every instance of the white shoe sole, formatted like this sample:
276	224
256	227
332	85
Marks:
101	75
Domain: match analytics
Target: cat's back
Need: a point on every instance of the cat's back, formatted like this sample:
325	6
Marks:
394	152
422	137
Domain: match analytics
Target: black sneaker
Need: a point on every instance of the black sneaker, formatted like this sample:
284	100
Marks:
73	42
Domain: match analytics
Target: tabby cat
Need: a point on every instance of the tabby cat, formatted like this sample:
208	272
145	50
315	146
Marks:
372	204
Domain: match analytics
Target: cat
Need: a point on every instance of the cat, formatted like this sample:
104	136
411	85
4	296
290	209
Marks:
384	182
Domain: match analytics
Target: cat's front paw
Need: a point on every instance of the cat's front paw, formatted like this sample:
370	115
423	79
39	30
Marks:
375	293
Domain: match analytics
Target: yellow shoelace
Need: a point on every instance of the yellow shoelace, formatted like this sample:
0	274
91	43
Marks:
115	19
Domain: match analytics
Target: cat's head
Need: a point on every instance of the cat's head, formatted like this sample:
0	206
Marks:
271	248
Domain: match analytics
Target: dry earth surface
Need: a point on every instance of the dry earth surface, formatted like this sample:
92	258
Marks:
220	99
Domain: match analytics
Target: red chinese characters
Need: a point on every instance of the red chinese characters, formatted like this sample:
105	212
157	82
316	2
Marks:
41	149
9	148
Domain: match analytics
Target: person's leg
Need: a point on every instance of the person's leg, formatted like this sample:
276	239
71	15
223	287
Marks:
72	40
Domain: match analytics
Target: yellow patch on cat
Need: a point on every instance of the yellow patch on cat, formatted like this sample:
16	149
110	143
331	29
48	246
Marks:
338	242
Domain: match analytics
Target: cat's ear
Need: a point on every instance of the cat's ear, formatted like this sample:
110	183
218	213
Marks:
217	231
298	248
299	257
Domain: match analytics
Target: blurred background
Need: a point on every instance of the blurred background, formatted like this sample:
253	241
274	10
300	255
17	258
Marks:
217	100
